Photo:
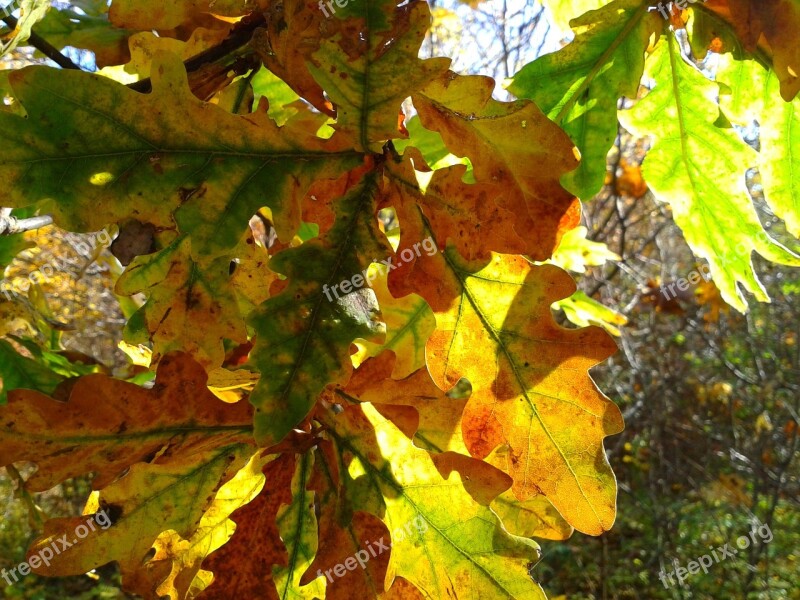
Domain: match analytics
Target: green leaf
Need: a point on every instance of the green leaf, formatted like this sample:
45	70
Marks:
779	158
91	149
58	362
581	310
304	333
755	95
698	164
297	525
280	96
10	246
20	372
578	87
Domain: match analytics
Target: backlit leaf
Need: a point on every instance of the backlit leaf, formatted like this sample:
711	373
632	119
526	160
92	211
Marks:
579	86
297	526
91	147
444	541
305	332
503	140
698	165
494	327
368	75
108	425
409	324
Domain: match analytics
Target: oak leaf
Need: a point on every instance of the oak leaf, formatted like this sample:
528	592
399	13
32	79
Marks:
503	140
107	425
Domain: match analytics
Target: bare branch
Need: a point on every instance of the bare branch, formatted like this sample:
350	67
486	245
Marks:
10	225
43	46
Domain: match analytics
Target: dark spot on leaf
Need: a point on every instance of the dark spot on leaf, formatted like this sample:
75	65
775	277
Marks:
112	511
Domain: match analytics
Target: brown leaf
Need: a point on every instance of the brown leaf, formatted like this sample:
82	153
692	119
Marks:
107	425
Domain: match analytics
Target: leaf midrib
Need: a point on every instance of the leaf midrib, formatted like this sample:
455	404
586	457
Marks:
520	380
166	432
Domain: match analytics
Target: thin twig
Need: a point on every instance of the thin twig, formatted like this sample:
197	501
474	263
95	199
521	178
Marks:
240	36
10	225
43	46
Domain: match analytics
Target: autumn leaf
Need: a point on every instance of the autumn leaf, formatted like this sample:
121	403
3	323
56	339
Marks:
107	425
534	517
292	34
438	423
91	147
469	214
519	397
444	541
503	140
151	498
348	67
89	28
190	307
143	46
409	324
153	14
174	571
349	558
778	22
305	332
361	390
238	570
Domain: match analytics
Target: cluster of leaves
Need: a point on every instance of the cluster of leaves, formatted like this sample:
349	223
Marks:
259	459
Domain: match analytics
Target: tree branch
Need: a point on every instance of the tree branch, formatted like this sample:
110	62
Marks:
10	225
43	46
241	35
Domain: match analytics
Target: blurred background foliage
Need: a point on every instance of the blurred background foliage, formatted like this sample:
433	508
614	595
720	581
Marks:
711	397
